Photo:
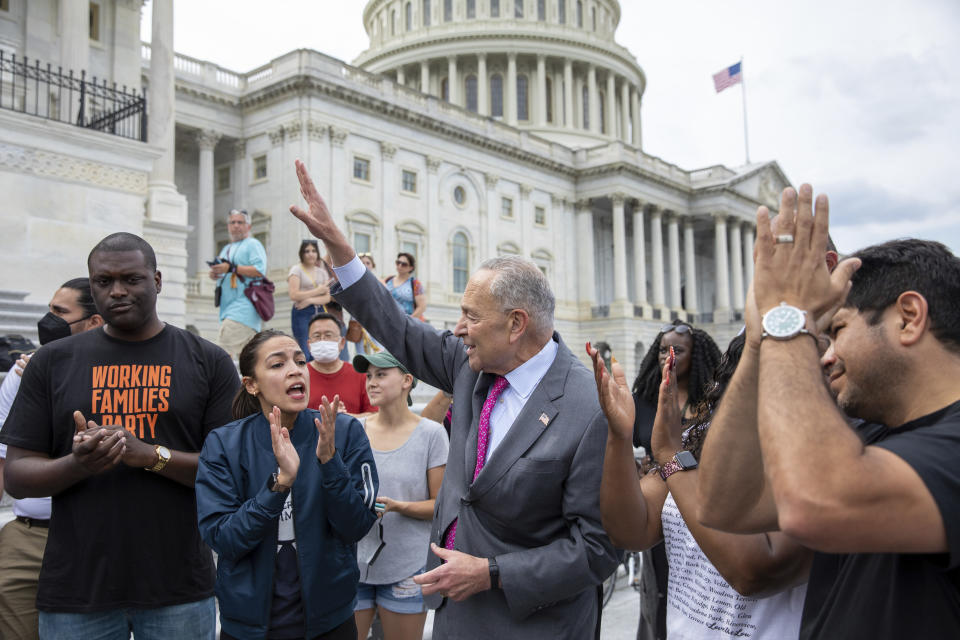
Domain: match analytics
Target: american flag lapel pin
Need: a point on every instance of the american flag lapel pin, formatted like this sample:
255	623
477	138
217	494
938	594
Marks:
545	419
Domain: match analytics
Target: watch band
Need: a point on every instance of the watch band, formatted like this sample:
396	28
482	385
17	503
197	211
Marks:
162	459
273	483
669	468
494	573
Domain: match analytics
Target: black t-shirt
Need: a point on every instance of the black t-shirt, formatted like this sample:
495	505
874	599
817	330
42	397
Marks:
897	595
126	537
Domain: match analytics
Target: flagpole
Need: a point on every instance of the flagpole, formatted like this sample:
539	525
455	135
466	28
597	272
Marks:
743	86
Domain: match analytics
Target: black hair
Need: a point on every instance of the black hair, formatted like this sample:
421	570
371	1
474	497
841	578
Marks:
924	266
245	404
704	356
410	259
712	394
323	315
309	243
122	241
84	298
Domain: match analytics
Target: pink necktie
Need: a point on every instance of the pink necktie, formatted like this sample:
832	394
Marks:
483	438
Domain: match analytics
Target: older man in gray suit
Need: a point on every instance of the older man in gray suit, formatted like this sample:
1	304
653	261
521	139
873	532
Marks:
517	522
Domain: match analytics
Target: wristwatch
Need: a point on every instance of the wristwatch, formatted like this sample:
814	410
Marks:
163	457
494	573
273	484
682	461
784	322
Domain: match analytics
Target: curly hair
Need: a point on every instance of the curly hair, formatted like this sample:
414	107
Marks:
704	357
697	434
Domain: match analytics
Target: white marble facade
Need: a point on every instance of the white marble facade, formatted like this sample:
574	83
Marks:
627	239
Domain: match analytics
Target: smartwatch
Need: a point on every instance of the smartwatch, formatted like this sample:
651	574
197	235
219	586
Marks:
494	573
682	461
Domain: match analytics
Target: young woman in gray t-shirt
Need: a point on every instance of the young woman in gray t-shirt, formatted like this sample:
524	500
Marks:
411	454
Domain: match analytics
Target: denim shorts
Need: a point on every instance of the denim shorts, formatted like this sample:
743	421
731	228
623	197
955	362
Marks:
399	597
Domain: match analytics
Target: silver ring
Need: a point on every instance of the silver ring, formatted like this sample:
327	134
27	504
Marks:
784	238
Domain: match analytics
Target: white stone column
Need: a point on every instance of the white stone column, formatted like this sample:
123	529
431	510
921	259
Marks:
594	103
625	111
433	274
488	248
748	255
401	76
656	248
206	142
452	84
736	265
673	248
239	178
586	286
637	138
160	99
611	105
639	258
620	253
569	118
483	86
510	91
425	76
75	36
690	267
541	90
389	184
721	308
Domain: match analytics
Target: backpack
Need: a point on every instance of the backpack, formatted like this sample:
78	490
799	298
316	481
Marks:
12	346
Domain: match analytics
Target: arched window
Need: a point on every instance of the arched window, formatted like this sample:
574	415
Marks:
603	112
447	10
517	8
586	107
445	90
496	95
408	17
393	22
541	10
494	8
471	9
549	99
470	84
580	13
461	261
562	11
426	13
523	108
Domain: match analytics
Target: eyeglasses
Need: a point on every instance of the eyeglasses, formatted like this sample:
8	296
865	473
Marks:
679	328
401	263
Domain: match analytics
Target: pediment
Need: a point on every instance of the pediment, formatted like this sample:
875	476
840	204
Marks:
763	184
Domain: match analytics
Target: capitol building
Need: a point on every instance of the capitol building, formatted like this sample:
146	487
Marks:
467	129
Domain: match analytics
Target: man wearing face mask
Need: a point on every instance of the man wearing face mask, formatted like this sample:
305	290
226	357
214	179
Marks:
23	539
329	375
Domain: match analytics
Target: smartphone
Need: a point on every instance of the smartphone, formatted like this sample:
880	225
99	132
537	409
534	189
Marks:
379	507
672	359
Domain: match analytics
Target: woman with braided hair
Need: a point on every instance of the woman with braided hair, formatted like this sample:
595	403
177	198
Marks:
697	355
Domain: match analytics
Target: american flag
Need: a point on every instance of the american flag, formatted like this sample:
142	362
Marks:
728	77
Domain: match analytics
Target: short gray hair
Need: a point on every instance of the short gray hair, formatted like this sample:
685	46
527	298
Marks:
239	212
519	284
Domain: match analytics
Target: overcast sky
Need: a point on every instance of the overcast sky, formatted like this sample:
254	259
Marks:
860	99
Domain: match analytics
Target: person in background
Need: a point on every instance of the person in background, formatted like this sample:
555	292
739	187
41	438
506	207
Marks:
405	288
329	375
366	344
411	453
697	356
283	495
240	262
309	288
23	539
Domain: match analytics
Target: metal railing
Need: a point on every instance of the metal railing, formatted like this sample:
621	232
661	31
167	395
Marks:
50	93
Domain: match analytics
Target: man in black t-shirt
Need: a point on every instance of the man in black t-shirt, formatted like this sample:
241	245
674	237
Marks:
880	505
110	423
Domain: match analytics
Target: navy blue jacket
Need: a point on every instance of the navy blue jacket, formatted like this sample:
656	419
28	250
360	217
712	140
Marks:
238	516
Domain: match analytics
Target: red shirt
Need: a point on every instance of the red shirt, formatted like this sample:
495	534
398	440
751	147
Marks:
347	383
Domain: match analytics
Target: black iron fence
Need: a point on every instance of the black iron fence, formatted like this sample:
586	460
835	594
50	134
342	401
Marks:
28	87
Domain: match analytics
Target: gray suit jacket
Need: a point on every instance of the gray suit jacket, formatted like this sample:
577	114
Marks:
534	506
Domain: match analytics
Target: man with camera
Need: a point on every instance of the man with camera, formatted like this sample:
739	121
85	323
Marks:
239	263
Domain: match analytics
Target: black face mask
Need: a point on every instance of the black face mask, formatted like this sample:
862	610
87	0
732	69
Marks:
52	327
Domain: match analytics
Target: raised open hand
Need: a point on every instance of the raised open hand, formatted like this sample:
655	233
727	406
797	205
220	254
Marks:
668	425
97	449
326	428
288	460
615	397
317	216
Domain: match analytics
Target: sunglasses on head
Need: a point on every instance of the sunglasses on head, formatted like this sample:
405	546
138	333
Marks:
679	328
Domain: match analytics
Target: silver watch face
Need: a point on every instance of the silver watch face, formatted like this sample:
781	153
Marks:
783	321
